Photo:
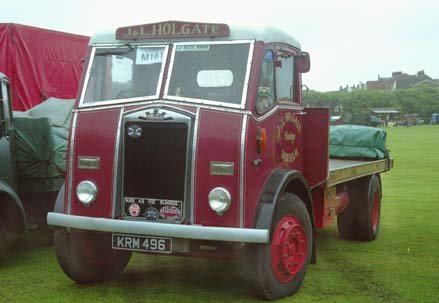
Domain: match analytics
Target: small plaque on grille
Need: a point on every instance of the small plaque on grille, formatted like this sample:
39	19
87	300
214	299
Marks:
154	209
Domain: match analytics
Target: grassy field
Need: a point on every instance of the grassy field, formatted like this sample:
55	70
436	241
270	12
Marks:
400	266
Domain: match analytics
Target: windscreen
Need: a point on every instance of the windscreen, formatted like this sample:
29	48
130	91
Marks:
124	73
210	72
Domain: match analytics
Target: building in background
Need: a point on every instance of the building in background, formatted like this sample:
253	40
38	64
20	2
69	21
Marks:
400	80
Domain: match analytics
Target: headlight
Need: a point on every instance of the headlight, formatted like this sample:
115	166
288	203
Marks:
219	200
86	191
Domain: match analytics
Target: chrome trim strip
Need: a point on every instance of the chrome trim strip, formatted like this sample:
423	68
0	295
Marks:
198	232
87	76
118	101
161	106
71	160
241	170
210	107
116	163
199	101
193	168
247	74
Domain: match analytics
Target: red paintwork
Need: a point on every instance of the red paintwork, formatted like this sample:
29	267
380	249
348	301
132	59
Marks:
316	145
318	197
376	210
289	248
95	136
219	139
256	176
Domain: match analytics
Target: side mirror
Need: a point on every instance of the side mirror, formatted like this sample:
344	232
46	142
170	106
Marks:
302	62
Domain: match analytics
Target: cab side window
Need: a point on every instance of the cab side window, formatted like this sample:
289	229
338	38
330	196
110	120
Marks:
285	76
266	96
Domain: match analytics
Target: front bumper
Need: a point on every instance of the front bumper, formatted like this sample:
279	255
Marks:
197	232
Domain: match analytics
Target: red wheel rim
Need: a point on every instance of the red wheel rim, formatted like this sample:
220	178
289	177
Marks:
376	211
289	248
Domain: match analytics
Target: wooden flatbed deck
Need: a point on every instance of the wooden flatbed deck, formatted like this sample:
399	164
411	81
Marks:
341	170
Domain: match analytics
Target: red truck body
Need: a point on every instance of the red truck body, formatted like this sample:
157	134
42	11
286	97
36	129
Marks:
40	63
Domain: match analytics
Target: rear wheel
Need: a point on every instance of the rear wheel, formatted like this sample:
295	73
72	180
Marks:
2	240
278	268
87	257
361	219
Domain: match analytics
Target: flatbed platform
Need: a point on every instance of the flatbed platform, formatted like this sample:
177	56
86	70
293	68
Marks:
341	170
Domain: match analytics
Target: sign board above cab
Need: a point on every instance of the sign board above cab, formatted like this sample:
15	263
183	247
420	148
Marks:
172	29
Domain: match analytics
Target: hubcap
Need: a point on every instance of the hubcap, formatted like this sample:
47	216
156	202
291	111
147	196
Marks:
289	248
375	211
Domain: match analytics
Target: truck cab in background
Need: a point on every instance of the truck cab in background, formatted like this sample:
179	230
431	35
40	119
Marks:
12	216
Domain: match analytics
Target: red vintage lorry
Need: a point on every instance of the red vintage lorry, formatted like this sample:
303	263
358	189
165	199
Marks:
191	139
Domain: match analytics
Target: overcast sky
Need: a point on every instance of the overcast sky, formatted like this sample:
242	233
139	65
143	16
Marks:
349	41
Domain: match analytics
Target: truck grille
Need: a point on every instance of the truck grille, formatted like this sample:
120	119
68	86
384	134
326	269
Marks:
154	167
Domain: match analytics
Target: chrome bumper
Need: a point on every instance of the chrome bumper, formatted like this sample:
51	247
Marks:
198	232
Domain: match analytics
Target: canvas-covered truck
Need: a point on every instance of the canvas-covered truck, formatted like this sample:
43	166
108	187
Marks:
33	145
35	65
191	139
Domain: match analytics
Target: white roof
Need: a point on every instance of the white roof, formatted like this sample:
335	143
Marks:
265	34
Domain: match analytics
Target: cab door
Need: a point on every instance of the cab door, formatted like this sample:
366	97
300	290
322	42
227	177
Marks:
289	137
7	159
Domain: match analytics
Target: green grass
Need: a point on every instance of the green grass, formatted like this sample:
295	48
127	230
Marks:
400	266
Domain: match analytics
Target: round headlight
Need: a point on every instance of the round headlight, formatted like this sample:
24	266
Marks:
86	191
219	200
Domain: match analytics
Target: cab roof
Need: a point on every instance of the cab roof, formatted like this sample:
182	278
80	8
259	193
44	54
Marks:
265	34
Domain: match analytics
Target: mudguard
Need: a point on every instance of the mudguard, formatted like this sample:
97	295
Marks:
59	204
17	205
276	185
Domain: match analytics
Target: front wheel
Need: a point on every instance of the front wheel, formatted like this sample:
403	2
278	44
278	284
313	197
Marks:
87	257
280	266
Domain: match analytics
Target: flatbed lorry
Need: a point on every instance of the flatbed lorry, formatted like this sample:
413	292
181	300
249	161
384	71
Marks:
191	139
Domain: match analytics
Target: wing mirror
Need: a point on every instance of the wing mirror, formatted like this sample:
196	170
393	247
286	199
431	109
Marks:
302	62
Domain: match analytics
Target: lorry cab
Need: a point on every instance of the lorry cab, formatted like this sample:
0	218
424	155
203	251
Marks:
7	169
191	139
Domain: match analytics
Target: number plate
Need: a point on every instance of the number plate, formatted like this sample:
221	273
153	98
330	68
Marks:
142	243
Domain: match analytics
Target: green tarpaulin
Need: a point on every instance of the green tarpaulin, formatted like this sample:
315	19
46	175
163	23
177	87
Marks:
357	142
41	144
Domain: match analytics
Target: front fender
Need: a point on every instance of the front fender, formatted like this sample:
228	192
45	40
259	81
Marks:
281	181
11	209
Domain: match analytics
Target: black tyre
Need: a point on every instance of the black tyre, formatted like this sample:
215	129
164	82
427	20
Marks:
361	219
87	257
2	240
277	269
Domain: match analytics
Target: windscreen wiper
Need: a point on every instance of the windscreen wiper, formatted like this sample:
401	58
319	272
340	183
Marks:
117	51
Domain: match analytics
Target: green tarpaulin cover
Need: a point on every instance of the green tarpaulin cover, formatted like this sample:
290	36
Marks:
357	142
41	136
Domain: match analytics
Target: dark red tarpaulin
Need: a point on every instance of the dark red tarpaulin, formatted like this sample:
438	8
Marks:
40	63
